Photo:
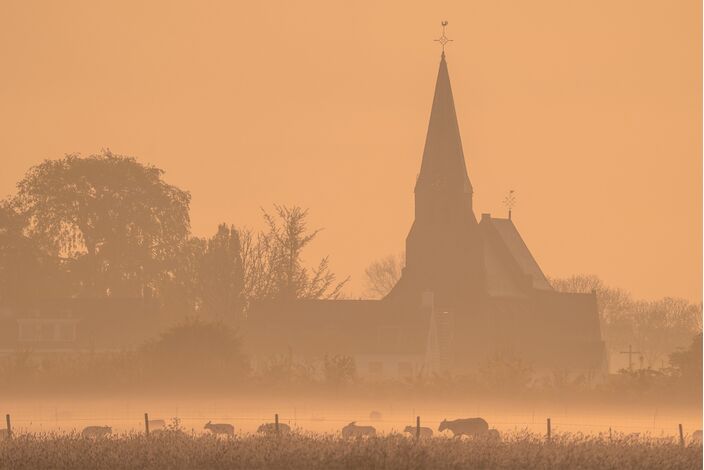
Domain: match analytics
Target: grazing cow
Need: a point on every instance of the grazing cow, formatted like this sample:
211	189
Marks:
697	436
424	432
375	415
156	424
216	429
96	431
352	430
466	427
270	428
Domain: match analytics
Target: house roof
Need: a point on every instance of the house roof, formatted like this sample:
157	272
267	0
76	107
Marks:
316	327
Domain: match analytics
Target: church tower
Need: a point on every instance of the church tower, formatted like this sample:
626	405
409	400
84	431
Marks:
444	253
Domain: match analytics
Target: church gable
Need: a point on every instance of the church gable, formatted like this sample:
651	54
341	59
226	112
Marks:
510	266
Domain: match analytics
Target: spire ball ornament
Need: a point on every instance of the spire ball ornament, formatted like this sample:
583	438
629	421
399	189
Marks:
443	39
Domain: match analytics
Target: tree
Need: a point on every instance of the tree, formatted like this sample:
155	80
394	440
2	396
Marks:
338	370
180	289
272	260
26	272
664	325
196	352
382	275
653	327
689	362
113	220
222	276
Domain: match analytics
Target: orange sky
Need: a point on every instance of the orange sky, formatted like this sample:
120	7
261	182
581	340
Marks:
590	110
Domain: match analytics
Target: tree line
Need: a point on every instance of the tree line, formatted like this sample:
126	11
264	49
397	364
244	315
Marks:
108	225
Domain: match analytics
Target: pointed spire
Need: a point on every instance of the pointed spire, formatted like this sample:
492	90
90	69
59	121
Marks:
443	165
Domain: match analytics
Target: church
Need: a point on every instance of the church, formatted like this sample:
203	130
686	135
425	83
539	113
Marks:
470	291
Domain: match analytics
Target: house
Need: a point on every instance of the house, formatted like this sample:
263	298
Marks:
67	325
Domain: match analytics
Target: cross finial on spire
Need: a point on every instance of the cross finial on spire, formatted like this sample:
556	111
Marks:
443	39
510	202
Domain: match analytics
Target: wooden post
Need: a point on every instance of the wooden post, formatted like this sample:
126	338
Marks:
417	427
681	436
9	426
549	430
146	424
609	433
276	423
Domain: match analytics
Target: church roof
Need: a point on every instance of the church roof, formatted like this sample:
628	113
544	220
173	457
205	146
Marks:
508	261
443	159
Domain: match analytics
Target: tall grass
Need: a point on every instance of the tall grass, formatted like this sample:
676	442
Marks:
178	450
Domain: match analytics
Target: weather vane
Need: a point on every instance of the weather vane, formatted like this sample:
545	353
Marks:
510	202
443	39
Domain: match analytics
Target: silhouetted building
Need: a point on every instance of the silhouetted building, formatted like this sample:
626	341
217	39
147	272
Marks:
470	291
78	325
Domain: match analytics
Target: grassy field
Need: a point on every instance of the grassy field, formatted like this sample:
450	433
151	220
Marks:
178	450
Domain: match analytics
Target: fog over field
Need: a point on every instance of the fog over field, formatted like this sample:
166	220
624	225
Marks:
329	416
244	235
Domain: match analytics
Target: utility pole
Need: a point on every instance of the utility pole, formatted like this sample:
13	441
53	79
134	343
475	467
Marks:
630	353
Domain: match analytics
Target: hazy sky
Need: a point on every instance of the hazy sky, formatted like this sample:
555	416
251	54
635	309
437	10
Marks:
590	110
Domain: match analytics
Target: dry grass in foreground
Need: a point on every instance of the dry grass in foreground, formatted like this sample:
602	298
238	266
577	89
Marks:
177	450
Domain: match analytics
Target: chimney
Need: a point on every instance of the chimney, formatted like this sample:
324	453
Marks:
486	216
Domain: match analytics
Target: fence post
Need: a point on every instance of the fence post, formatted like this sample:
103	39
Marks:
146	424
9	426
549	430
681	436
609	433
417	427
276	423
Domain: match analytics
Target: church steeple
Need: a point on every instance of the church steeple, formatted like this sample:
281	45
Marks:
443	166
444	252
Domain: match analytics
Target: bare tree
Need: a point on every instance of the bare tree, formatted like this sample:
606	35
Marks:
654	327
383	274
221	275
272	260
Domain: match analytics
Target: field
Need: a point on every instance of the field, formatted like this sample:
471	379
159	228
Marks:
46	435
180	450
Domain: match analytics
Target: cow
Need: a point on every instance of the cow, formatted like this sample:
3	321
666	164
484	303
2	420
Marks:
270	428
96	431
466	427
424	432
352	430
216	429
697	436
